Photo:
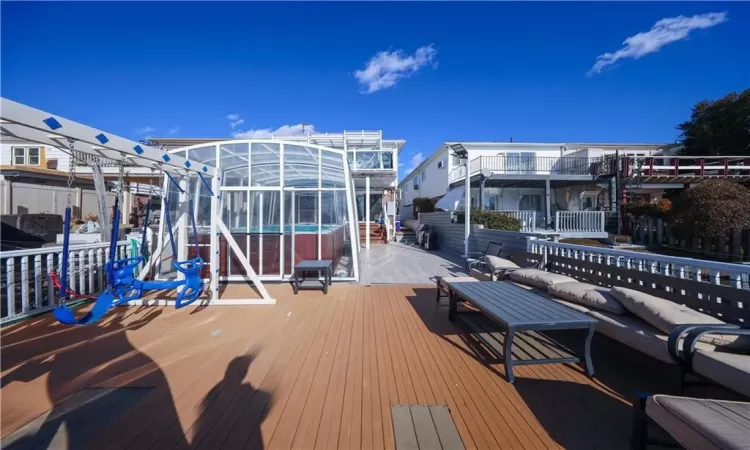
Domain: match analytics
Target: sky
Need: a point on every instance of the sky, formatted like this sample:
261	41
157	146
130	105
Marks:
423	72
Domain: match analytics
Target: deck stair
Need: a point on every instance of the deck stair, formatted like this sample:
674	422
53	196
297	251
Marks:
377	233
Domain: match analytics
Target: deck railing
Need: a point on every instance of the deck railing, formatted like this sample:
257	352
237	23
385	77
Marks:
26	288
580	221
86	159
727	274
528	165
527	219
687	166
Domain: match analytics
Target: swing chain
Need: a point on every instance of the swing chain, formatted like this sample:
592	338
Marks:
71	171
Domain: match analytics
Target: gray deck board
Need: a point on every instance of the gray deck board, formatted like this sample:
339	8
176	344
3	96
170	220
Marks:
446	428
424	427
403	428
396	263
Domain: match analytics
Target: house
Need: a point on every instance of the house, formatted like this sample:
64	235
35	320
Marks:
571	189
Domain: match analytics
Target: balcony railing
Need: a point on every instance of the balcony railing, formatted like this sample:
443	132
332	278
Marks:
687	166
527	219
533	165
85	159
371	160
580	221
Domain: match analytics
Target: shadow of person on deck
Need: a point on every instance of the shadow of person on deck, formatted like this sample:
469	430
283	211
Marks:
76	363
232	394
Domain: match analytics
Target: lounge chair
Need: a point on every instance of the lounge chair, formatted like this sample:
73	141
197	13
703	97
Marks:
476	258
692	422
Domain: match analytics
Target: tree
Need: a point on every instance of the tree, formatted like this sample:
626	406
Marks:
718	127
713	207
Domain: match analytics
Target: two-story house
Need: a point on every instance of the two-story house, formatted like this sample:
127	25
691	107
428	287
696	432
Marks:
539	182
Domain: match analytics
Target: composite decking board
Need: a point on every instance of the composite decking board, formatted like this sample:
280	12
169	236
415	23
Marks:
446	429
349	430
214	437
403	428
327	434
287	427
281	392
404	339
307	427
427	435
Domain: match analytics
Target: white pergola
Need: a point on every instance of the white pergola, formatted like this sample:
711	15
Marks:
34	125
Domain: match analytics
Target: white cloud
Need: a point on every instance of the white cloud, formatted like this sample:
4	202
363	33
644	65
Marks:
235	120
145	130
173	130
416	160
663	32
284	130
385	69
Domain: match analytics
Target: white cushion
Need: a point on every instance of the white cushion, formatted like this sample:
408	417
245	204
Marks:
702	423
496	262
590	295
727	369
637	334
539	278
661	313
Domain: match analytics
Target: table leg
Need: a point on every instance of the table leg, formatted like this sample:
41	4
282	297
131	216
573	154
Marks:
330	276
587	353
508	356
452	306
295	282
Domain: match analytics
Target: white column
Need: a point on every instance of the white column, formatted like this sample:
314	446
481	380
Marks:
215	257
182	233
467	209
367	212
548	200
5	188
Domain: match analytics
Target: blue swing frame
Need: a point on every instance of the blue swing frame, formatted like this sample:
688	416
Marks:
121	282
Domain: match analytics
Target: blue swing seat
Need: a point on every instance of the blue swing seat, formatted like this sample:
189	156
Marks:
103	303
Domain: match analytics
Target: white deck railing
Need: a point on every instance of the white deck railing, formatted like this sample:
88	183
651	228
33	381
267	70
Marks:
527	219
26	288
736	275
579	221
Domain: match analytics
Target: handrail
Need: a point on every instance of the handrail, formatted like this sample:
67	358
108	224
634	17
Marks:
56	249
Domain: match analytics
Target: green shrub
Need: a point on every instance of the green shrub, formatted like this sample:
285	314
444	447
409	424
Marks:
493	220
713	207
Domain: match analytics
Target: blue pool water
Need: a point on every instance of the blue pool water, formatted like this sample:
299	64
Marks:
299	228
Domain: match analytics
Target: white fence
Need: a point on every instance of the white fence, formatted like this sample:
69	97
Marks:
579	221
527	219
26	287
735	275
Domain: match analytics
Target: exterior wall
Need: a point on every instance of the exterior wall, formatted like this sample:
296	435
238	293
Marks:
435	182
47	153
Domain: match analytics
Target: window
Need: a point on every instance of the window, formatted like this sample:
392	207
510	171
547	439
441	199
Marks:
424	175
587	203
26	156
415	184
440	164
520	162
530	203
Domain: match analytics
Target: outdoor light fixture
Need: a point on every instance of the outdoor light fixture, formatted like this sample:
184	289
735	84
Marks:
460	151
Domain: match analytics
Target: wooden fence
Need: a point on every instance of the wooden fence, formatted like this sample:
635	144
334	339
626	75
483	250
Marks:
653	233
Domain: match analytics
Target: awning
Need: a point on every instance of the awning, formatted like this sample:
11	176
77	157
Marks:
453	200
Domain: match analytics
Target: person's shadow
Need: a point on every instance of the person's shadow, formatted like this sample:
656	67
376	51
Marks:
232	411
82	410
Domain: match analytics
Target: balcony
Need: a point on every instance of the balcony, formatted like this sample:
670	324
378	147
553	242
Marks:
685	168
535	166
371	160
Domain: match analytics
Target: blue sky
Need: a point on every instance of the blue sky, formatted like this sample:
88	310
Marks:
436	72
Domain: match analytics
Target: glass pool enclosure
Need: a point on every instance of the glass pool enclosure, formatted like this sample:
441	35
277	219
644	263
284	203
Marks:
280	202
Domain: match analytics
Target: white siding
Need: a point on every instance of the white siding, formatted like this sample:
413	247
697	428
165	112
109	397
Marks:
435	182
6	159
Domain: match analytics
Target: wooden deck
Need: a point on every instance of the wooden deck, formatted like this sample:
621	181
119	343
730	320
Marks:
312	371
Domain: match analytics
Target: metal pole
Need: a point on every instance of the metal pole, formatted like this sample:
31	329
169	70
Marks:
367	213
617	192
467	209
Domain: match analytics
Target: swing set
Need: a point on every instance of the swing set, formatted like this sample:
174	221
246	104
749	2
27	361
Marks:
127	278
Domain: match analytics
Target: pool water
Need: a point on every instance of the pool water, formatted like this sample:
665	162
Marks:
299	228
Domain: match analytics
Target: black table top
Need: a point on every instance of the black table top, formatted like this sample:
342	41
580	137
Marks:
518	307
314	264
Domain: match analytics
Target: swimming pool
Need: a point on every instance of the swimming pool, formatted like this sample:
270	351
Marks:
299	228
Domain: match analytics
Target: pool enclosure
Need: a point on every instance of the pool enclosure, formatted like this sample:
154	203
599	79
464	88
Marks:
276	203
